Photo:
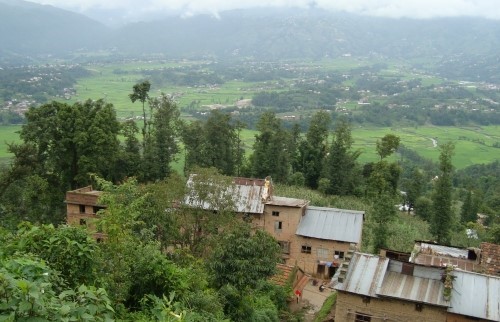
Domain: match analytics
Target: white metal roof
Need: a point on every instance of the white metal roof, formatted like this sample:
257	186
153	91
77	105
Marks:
476	295
332	224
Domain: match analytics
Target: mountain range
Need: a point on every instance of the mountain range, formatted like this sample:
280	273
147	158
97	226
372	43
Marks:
28	30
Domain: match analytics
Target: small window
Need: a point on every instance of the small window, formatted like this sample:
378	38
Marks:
339	254
285	246
83	222
82	209
276	213
306	249
419	307
360	317
322	252
278	225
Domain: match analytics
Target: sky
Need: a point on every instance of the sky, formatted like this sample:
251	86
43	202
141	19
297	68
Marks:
421	9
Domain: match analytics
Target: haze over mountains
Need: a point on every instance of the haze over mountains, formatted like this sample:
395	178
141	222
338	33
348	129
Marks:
29	30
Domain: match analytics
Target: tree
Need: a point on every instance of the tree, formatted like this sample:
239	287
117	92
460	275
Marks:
270	151
387	145
313	150
341	166
243	258
441	198
166	129
141	93
383	214
414	187
470	207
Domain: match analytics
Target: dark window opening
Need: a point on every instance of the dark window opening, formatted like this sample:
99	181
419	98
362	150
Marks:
82	209
339	254
419	307
407	269
366	299
306	249
276	213
278	225
360	317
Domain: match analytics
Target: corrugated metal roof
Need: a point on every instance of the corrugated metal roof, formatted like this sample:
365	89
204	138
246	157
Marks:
364	275
247	197
476	295
412	288
332	224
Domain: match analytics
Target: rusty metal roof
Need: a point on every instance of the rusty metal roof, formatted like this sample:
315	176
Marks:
476	295
332	224
364	275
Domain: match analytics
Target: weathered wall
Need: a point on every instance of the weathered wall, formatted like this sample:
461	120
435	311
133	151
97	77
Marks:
348	305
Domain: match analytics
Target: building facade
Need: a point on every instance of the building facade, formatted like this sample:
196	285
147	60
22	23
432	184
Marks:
82	206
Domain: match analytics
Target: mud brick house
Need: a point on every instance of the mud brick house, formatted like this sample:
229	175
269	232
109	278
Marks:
82	206
315	239
490	259
373	288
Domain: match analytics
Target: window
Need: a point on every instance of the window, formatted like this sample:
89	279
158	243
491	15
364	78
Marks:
419	307
339	254
82	209
322	252
285	246
306	249
83	222
278	225
360	317
276	213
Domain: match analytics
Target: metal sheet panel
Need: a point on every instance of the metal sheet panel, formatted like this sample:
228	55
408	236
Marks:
364	275
332	224
476	295
412	288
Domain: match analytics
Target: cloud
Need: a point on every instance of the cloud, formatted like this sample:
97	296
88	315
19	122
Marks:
382	8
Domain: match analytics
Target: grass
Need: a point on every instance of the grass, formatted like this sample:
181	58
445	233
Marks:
8	134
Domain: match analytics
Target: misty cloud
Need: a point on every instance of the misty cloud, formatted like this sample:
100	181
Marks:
381	8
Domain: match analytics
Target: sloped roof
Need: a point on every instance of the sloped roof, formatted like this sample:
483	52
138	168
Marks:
412	288
245	193
364	275
332	224
476	295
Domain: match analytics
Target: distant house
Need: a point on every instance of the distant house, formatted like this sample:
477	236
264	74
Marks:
485	259
373	288
82	206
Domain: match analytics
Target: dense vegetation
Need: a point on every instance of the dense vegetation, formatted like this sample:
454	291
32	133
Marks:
165	261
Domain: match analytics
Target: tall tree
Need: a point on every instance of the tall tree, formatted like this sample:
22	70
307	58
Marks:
341	167
442	198
313	150
141	93
415	186
270	151
165	134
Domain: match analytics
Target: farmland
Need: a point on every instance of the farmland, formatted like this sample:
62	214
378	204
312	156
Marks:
303	88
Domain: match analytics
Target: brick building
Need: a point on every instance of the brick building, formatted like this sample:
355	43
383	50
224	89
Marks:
315	239
82	206
373	288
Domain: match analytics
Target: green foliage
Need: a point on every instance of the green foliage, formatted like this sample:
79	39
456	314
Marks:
442	220
270	154
387	145
382	215
341	166
65	249
326	308
243	258
29	292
